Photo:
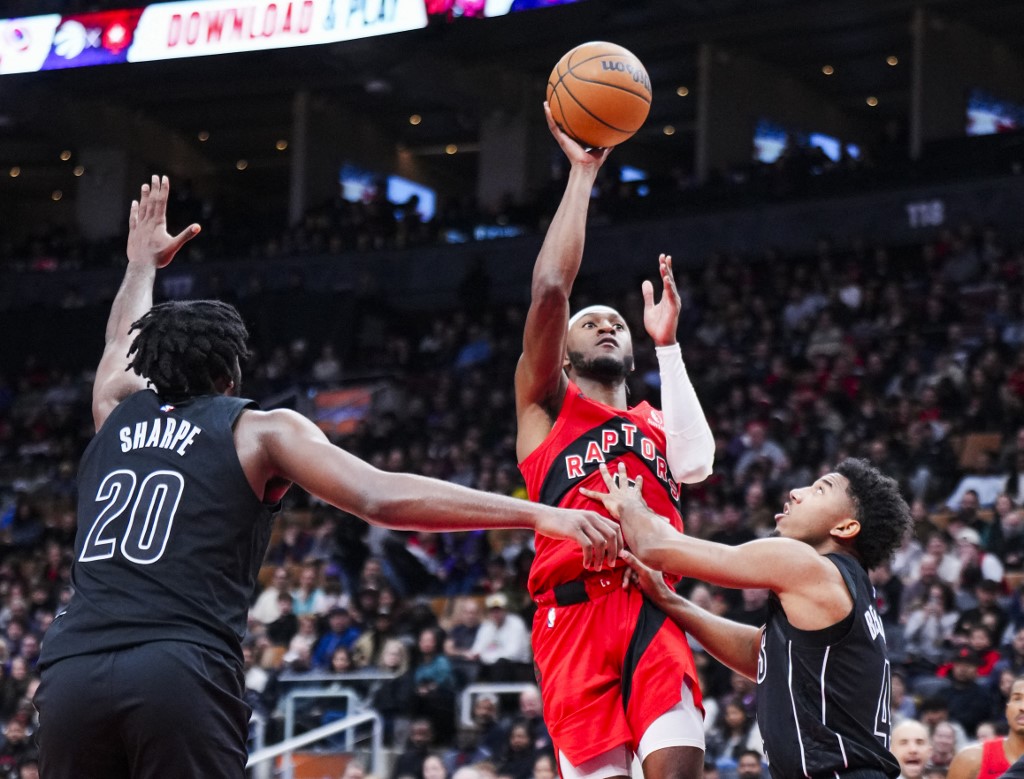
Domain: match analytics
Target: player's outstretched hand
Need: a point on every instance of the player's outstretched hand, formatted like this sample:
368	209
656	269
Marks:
622	493
577	154
599	537
661	319
651	582
625	501
148	239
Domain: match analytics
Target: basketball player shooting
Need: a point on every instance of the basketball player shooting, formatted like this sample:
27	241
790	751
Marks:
617	679
142	672
820	662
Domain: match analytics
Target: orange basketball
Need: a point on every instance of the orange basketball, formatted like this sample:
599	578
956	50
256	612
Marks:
599	94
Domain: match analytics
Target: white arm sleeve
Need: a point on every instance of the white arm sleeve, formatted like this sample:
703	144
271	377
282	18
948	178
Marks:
690	445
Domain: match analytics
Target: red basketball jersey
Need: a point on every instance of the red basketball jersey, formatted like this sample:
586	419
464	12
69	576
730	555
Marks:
993	759
586	434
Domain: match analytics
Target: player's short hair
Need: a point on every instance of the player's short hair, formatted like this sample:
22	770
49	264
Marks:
879	506
185	347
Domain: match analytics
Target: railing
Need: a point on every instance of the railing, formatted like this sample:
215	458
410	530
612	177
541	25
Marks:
466	699
290	677
353	703
288	746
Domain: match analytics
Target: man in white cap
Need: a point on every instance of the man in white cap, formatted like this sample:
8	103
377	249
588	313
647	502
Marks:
973	555
502	644
617	679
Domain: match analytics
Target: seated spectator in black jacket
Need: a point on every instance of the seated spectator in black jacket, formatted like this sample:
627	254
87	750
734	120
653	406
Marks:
516	760
409	764
393	697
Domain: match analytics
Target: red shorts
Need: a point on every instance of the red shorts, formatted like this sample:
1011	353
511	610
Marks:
607	669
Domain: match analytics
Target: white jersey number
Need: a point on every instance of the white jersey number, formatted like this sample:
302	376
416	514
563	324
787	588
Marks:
153	506
883	719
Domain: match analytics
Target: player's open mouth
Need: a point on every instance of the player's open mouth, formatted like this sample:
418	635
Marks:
607	342
783	513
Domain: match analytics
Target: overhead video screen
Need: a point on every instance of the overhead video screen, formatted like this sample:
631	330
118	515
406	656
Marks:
196	28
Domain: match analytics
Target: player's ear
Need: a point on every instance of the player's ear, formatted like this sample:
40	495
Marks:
846	529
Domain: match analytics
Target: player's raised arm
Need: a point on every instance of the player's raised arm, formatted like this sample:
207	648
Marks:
297	450
539	376
690	445
150	247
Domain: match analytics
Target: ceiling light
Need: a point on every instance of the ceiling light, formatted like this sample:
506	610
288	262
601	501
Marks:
668	129
892	60
451	148
203	135
56	195
281	145
242	164
14	172
828	70
415	119
872	101
682	91
79	170
65	155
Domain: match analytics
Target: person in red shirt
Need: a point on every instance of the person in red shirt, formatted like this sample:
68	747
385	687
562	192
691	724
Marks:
617	679
992	759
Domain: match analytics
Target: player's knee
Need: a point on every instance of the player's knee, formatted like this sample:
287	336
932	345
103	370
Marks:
674	763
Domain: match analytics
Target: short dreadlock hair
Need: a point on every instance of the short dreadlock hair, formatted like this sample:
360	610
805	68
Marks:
879	507
185	347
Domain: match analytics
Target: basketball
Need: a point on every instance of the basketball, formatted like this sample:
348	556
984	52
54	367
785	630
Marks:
599	94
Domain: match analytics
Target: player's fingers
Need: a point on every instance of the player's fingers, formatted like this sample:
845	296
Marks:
614	545
552	124
638	483
647	290
159	194
185	236
587	546
621	477
144	202
133	215
609	481
608	540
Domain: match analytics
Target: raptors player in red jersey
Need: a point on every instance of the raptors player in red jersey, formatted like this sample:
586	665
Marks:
617	678
991	759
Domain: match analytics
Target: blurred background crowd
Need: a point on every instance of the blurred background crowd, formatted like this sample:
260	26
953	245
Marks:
911	356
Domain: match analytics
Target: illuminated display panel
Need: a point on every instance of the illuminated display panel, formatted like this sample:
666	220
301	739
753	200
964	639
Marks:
196	28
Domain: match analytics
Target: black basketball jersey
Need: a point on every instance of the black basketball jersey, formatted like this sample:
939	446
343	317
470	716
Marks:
823	695
170	534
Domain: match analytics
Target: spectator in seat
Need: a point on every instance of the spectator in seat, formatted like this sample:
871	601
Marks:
341	632
417	748
266	608
912	748
392	697
502	644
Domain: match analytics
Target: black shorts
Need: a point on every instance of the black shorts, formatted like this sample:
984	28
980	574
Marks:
162	710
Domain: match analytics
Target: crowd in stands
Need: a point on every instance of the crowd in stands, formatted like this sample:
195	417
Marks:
910	356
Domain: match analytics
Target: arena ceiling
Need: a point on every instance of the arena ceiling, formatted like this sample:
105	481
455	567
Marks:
451	75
